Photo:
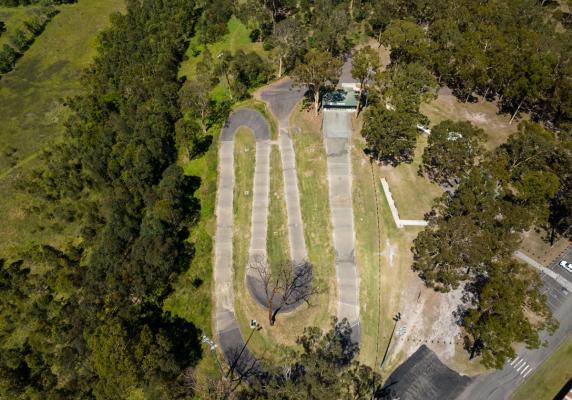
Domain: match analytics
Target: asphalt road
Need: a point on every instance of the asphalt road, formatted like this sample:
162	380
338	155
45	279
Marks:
499	385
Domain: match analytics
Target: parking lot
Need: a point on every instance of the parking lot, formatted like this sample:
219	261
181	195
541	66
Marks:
566	255
556	295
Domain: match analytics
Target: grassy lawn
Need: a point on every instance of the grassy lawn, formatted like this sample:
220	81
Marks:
277	244
237	38
32	112
413	194
550	377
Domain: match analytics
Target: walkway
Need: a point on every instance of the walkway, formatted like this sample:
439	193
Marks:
535	264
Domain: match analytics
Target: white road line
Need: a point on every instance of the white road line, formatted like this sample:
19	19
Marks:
519	368
528	372
518	363
524	370
515	360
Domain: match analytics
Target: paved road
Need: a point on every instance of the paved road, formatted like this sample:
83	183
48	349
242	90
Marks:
500	385
282	97
338	156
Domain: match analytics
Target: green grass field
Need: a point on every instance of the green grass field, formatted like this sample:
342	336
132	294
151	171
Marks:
277	244
32	110
550	377
413	194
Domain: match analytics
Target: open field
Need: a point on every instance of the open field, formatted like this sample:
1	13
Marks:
550	377
413	194
483	114
277	244
382	254
32	111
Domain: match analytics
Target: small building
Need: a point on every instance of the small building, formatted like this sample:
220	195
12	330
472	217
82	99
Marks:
344	98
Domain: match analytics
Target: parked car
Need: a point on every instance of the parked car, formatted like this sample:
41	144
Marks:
566	265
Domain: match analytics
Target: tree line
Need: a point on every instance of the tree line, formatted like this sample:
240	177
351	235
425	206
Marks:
22	38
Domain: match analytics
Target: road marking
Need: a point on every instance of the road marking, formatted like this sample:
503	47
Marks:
518	363
513	361
519	368
524	376
524	370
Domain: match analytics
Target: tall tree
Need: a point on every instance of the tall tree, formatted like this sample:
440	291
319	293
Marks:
324	368
453	149
365	63
288	39
318	70
390	134
510	309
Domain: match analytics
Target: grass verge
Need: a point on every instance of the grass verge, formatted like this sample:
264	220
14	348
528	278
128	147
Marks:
383	257
277	244
550	377
311	167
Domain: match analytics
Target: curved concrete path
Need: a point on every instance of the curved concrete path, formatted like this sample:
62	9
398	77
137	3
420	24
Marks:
226	325
228	332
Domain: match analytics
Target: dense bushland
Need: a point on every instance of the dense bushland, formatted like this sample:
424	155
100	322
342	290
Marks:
86	320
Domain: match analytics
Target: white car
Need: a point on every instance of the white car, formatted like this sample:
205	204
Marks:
566	265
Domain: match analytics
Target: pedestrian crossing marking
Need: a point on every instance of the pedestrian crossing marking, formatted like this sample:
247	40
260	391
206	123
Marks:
521	366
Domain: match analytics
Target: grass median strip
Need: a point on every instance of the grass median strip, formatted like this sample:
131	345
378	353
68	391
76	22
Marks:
311	167
277	244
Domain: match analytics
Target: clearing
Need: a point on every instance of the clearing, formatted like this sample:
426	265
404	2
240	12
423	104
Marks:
483	114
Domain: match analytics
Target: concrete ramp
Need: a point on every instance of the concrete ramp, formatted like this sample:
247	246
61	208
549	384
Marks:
337	123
